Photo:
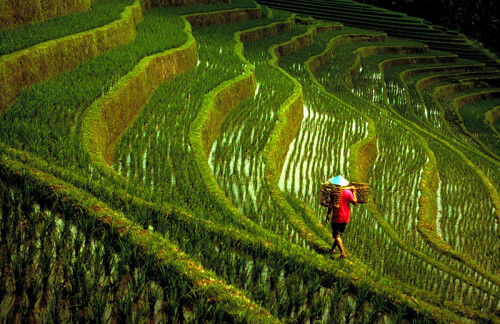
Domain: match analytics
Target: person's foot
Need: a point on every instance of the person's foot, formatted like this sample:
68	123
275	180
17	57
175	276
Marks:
343	256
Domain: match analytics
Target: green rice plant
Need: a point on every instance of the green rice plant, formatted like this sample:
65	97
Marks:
176	297
77	245
349	312
124	312
98	259
100	305
5	214
152	298
77	292
33	290
64	271
378	305
46	268
338	290
60	240
108	260
47	229
284	302
19	263
401	312
88	81
3	267
420	320
362	295
53	314
317	309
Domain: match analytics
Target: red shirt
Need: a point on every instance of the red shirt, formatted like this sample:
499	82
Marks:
342	214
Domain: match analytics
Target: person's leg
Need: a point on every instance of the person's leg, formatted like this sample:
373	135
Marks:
339	230
332	250
338	240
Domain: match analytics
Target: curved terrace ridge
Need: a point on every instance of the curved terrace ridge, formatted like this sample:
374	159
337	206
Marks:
43	61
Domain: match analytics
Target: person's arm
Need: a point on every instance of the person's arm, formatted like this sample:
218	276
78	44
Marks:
354	197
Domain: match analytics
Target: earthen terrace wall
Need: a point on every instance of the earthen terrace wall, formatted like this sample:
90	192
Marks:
45	60
19	12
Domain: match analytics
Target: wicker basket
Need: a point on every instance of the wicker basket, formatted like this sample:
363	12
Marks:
362	191
330	194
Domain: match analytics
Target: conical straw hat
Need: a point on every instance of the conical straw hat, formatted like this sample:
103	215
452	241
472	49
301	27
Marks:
339	180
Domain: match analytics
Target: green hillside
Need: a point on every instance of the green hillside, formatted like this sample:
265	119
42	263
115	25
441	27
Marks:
161	162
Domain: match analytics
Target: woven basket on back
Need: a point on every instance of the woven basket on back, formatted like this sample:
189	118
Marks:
330	193
362	191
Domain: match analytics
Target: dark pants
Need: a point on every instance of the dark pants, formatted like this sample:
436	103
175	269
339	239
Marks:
338	229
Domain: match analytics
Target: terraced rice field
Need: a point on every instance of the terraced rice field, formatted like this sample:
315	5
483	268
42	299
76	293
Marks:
163	164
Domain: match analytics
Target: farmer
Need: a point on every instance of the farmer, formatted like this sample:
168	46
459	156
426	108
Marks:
340	216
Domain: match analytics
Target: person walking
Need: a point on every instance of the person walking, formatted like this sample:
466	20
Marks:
340	215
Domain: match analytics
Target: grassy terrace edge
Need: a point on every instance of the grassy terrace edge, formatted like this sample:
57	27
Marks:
43	61
217	103
84	204
33	11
